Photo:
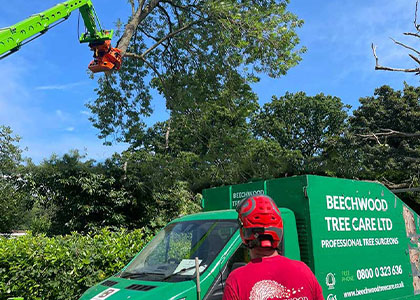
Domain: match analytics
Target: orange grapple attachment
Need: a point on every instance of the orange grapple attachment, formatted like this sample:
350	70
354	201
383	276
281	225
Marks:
105	58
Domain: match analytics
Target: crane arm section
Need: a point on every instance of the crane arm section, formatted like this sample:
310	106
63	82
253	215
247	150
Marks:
13	37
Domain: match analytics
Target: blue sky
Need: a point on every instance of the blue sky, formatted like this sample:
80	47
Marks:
44	86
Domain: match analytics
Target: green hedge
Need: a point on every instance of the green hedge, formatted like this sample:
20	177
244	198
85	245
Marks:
63	267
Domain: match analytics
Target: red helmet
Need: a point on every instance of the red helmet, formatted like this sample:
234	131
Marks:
261	222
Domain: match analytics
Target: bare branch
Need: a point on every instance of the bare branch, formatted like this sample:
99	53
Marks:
414	58
405	46
371	136
138	56
405	186
403	190
170	23
168	129
395	133
141	3
379	67
133	7
139	16
412	34
389	133
417	60
168	37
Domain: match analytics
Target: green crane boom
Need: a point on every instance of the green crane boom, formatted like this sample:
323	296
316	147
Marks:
106	57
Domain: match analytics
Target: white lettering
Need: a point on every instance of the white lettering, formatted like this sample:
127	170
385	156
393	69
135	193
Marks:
329	202
371	204
341	199
367	242
335	202
328	219
338	224
241	195
371	224
355	203
362	203
384	205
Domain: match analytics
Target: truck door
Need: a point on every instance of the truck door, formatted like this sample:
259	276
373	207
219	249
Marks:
238	259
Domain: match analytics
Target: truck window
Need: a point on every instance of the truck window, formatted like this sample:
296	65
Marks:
170	256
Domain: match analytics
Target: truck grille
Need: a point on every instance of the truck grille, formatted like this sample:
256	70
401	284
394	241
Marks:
109	283
140	287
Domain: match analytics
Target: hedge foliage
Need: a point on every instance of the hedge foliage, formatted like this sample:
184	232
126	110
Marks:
63	267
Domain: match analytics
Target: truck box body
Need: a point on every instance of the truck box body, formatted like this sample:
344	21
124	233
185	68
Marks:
358	237
360	240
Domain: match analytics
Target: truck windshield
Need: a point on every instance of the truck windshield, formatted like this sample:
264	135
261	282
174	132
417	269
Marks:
170	256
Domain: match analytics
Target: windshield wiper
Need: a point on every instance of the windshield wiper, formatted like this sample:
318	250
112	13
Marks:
176	273
138	274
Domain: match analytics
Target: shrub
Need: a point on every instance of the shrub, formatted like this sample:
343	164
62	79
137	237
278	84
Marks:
63	267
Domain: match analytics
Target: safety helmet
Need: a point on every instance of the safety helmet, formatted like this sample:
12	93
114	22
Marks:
260	222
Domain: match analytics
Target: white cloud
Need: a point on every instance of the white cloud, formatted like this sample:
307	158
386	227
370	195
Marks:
63	116
70	129
60	86
85	112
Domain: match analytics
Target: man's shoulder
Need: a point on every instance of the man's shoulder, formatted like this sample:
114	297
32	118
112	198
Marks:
271	261
287	260
240	270
300	265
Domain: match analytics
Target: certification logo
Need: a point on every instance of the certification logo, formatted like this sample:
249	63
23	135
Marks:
332	297
330	281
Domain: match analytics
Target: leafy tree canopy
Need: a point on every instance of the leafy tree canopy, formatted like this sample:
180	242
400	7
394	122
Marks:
307	124
387	128
13	200
187	50
10	153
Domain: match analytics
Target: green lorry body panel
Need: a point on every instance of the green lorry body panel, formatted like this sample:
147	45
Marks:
11	38
360	240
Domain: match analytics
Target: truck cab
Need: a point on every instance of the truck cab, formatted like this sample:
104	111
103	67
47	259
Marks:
165	268
359	239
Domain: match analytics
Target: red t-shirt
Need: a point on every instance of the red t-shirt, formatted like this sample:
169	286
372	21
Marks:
273	278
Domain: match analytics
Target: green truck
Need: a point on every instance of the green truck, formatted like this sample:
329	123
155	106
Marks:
359	239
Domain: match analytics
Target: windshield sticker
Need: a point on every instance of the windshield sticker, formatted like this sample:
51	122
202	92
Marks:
105	294
188	265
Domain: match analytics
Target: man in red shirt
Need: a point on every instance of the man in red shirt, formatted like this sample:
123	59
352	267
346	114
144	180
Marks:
268	276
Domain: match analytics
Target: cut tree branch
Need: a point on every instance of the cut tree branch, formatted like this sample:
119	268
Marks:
141	3
416	59
389	133
168	129
412	34
379	67
405	46
130	28
133	7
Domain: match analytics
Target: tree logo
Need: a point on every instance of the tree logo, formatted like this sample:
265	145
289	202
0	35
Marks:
330	281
